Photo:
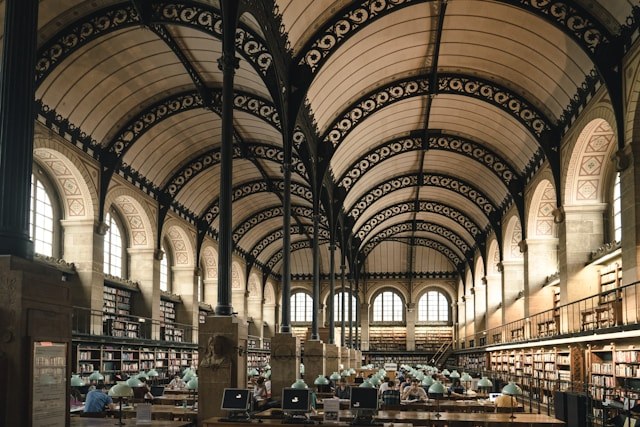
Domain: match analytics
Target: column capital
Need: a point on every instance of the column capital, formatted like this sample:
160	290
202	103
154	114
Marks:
228	63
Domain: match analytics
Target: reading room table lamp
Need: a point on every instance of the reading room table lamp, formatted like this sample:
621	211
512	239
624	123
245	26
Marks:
512	389
192	386
466	379
485	384
335	377
120	391
437	390
96	377
153	375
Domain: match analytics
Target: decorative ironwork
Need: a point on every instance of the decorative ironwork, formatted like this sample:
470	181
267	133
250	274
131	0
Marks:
369	104
117	17
425	226
437	141
436	180
456	84
424	206
254	187
425	242
273	212
258	107
279	234
346	25
295	246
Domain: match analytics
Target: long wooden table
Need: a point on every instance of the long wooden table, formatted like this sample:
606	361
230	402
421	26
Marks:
185	414
449	419
100	422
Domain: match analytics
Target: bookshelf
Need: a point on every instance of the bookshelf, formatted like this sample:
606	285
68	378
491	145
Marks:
476	363
378	359
608	312
117	313
168	330
387	338
431	338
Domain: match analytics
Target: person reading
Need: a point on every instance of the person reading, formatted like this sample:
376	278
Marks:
342	391
97	400
177	383
414	392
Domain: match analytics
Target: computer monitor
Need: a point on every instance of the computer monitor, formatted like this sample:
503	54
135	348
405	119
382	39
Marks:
358	380
157	390
363	399
295	400
493	396
236	399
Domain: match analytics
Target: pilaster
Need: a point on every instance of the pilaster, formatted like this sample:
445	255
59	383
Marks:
145	269
364	325
541	261
184	284
345	357
512	285
630	204
411	326
332	359
314	361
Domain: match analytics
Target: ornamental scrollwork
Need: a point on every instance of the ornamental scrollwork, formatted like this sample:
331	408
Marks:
302	244
380	191
373	102
425	226
279	234
344	27
258	107
421	241
278	211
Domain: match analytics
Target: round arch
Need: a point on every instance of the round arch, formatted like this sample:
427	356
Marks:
209	259
181	243
540	220
139	227
513	239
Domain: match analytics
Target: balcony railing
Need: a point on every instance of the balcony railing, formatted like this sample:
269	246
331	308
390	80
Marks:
98	323
610	311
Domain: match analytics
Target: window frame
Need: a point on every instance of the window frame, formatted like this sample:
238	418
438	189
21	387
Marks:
336	305
427	322
292	308
167	258
117	219
380	294
616	208
38	174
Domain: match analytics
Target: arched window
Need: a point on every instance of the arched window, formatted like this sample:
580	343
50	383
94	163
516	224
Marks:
388	307
41	218
337	306
301	307
433	306
617	210
164	271
113	248
200	289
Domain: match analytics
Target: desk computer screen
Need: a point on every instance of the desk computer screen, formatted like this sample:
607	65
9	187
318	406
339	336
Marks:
295	400
235	399
363	399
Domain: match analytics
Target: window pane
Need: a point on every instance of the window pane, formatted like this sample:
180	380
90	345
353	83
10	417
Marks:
617	213
301	307
112	248
40	218
337	306
164	271
387	307
433	307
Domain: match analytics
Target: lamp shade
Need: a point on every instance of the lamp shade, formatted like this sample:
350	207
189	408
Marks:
367	384
267	374
299	384
253	372
188	375
466	377
121	389
485	383
76	381
267	367
512	389
193	383
321	380
153	373
454	374
345	373
446	372
96	376
427	381
335	376
375	381
352	371
143	374
134	382
437	388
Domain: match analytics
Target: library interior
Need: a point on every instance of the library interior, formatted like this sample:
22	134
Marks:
223	212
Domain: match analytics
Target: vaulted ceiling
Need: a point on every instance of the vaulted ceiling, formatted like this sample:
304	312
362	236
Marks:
422	120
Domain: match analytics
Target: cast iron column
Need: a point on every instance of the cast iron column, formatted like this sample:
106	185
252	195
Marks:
17	94
285	325
350	313
316	276
228	64
332	291
342	309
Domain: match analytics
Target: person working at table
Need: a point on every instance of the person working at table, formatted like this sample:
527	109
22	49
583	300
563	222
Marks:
97	400
414	392
506	401
342	391
177	383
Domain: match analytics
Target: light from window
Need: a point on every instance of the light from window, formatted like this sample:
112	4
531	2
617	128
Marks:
164	271
433	307
200	288
337	306
387	307
41	218
617	210
301	307
112	248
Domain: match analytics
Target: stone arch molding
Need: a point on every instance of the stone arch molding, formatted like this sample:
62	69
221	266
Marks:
589	164
136	215
237	278
209	262
79	200
255	290
269	294
181	244
445	288
493	257
540	223
513	239
374	291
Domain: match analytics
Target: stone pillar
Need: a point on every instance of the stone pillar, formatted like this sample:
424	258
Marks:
210	290
85	249
353	358
630	204
285	362
17	94
364	325
145	269
470	329
494	302
269	316
332	358
411	326
239	299
184	284
35	305
358	359
541	261
345	357
512	285
314	361
462	320
223	362
480	307
580	233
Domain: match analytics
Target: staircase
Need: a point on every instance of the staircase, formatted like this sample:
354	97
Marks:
442	355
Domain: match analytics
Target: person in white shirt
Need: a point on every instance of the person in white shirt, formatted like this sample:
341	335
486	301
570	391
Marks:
177	383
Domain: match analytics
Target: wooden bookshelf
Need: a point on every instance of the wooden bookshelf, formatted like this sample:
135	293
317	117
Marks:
117	321
431	338
475	363
387	338
168	329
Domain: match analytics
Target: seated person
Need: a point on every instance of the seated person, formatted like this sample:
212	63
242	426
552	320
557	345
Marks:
391	396
260	394
456	388
385	385
143	391
177	383
342	391
414	392
506	401
97	400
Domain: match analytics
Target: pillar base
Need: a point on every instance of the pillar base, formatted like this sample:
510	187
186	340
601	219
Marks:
16	245
285	362
314	361
332	359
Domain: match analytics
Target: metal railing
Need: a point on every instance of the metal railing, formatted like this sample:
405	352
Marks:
127	327
612	310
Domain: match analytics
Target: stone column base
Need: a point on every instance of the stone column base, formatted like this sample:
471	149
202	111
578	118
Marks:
285	362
